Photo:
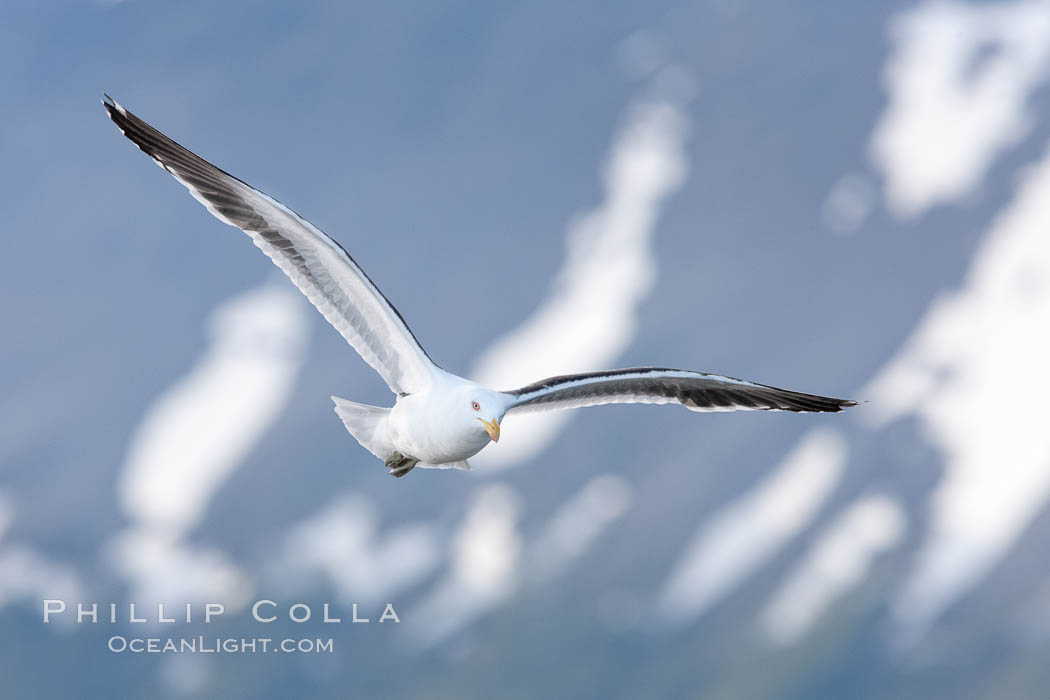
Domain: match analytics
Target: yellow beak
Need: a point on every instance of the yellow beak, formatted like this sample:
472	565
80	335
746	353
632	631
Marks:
492	428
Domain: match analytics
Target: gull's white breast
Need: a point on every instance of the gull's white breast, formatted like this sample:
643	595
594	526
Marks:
429	427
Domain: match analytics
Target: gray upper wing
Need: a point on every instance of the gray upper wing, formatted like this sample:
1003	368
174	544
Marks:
694	390
318	266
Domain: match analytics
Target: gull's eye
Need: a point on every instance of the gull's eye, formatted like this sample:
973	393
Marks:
475	405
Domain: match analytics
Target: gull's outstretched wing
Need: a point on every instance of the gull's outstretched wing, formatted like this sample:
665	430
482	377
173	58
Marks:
318	266
694	390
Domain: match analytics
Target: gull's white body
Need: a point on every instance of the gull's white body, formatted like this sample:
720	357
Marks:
438	419
432	427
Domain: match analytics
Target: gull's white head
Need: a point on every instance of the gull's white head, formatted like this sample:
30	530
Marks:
478	411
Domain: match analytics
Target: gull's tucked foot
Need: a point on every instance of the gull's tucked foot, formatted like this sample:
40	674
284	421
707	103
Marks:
404	468
399	464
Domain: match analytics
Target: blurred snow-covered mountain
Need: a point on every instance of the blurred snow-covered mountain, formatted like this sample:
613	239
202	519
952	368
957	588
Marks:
849	200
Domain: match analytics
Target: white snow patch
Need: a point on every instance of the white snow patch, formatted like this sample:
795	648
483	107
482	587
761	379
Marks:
7	513
958	81
838	560
342	543
577	524
484	562
186	675
27	574
163	569
30	576
848	204
590	316
975	373
741	537
200	429
194	435
641	54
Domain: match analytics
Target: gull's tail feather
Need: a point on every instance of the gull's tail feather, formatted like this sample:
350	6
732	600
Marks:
462	464
363	422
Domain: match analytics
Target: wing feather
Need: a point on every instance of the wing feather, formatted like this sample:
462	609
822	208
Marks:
316	264
696	391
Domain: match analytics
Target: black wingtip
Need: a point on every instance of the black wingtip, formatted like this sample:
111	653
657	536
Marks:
848	403
828	406
809	403
111	106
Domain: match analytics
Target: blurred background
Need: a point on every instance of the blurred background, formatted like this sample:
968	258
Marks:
843	198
